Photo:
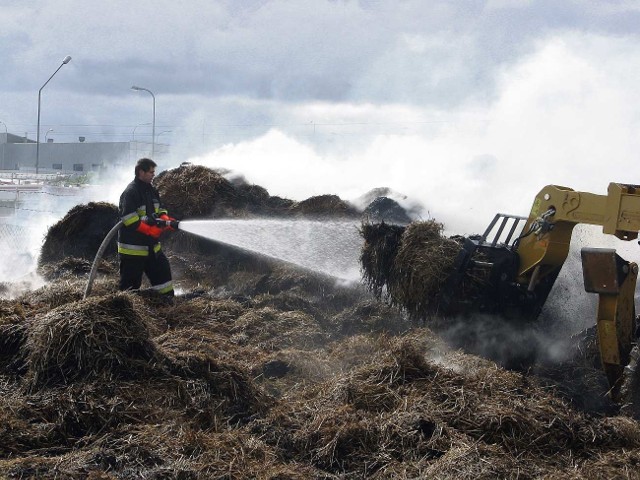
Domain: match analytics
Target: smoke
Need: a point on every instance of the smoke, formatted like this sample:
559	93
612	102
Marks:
562	115
568	316
13	288
25	222
23	229
514	345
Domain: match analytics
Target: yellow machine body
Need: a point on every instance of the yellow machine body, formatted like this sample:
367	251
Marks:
556	210
521	264
614	280
544	245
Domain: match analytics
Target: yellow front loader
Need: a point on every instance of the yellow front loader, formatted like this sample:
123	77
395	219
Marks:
520	259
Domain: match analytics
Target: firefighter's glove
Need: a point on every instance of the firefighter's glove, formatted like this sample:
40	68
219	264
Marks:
150	230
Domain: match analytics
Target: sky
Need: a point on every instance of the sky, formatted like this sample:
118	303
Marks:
467	107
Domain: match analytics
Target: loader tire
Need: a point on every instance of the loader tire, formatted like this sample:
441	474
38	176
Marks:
630	388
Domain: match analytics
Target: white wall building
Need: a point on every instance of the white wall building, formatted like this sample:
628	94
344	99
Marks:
19	154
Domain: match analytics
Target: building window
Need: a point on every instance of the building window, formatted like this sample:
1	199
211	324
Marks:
78	167
96	166
57	166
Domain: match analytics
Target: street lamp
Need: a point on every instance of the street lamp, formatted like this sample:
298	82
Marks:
153	128
66	60
133	134
4	144
46	141
165	131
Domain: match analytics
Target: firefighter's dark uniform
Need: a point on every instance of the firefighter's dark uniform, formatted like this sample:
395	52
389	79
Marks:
140	253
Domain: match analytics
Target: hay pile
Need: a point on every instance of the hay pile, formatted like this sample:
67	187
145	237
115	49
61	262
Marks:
100	337
381	243
80	233
217	388
263	371
384	209
194	191
13	332
407	266
395	412
323	206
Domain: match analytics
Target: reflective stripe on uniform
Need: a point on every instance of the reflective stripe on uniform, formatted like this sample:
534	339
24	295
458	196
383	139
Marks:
130	219
142	210
137	250
128	249
156	207
164	287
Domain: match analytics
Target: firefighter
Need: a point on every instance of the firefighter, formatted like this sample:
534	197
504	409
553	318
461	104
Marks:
138	246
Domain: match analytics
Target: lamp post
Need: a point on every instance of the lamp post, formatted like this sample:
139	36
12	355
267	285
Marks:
66	60
133	134
46	141
165	131
4	144
153	128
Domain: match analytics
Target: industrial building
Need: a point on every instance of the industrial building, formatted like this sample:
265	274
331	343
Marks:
19	153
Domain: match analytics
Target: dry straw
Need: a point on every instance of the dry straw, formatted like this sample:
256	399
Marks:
79	233
98	337
285	376
194	191
324	206
408	266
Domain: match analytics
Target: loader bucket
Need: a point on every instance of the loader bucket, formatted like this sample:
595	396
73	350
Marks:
484	276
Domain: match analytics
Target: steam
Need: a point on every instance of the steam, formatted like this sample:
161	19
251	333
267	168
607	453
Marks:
24	225
559	116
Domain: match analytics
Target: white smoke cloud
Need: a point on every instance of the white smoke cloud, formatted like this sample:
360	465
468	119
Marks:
24	229
566	114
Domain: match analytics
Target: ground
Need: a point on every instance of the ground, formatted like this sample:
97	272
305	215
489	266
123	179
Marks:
263	370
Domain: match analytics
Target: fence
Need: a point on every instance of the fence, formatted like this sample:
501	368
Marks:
27	177
12	238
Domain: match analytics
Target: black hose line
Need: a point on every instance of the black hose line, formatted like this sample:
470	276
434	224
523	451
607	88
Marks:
94	266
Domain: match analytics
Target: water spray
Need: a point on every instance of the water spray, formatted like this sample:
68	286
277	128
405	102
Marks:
328	247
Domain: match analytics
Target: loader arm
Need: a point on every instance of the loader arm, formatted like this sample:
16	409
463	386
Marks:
518	275
543	247
544	244
493	274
